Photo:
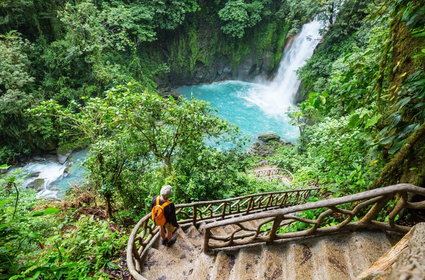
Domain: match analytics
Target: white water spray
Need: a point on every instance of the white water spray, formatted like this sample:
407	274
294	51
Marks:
47	171
275	97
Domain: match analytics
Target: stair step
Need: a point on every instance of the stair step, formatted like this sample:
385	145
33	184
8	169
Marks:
334	257
203	267
331	261
274	262
364	248
223	266
195	237
302	260
246	264
182	249
159	264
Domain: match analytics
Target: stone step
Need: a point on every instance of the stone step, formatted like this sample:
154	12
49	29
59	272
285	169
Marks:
333	257
302	260
158	265
223	266
364	248
195	237
247	262
203	267
330	258
274	262
182	249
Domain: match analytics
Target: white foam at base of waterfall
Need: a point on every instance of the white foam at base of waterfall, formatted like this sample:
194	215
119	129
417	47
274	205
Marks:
275	97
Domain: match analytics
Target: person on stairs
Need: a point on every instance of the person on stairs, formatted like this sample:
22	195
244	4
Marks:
164	215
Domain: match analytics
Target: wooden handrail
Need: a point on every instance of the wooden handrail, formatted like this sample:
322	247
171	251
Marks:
371	202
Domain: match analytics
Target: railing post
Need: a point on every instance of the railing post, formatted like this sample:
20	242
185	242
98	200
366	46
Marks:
136	257
223	214
374	211
276	224
269	202
195	213
207	235
251	201
284	199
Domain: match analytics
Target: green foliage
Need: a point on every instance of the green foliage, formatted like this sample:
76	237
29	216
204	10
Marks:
80	253
212	174
20	229
16	95
338	156
239	15
44	242
139	140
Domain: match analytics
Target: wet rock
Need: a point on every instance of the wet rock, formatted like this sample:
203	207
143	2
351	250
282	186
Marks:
269	137
37	184
38	158
3	170
33	175
63	156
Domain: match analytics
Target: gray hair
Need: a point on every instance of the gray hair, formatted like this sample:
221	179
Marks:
166	191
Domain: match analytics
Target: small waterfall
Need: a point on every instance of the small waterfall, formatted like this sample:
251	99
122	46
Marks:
275	97
50	176
47	172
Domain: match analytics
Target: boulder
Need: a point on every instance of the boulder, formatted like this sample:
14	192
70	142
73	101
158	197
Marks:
269	137
37	184
63	156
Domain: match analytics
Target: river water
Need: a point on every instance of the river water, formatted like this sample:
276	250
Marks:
256	108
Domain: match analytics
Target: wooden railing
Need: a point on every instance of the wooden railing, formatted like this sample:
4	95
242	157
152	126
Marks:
145	232
374	209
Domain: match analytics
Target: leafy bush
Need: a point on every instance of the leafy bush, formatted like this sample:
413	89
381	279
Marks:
337	156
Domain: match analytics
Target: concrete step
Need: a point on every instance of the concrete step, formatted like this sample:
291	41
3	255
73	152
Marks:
159	264
223	266
182	249
195	237
364	248
273	262
330	258
333	257
203	267
247	261
301	263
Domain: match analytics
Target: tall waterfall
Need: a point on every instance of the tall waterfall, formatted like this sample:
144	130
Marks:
275	97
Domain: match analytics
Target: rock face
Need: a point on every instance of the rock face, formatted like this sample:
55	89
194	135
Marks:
249	68
411	262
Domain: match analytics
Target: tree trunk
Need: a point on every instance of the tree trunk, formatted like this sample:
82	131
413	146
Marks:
408	165
109	207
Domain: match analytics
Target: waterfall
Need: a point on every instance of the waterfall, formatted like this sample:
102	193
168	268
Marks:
51	176
275	97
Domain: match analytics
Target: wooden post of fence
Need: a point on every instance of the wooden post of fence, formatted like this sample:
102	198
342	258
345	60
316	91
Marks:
223	214
207	235
269	201
276	224
136	257
195	213
250	205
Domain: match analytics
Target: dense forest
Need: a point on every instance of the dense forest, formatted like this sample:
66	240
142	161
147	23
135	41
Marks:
101	73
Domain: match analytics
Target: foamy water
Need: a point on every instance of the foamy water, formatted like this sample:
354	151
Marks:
274	97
